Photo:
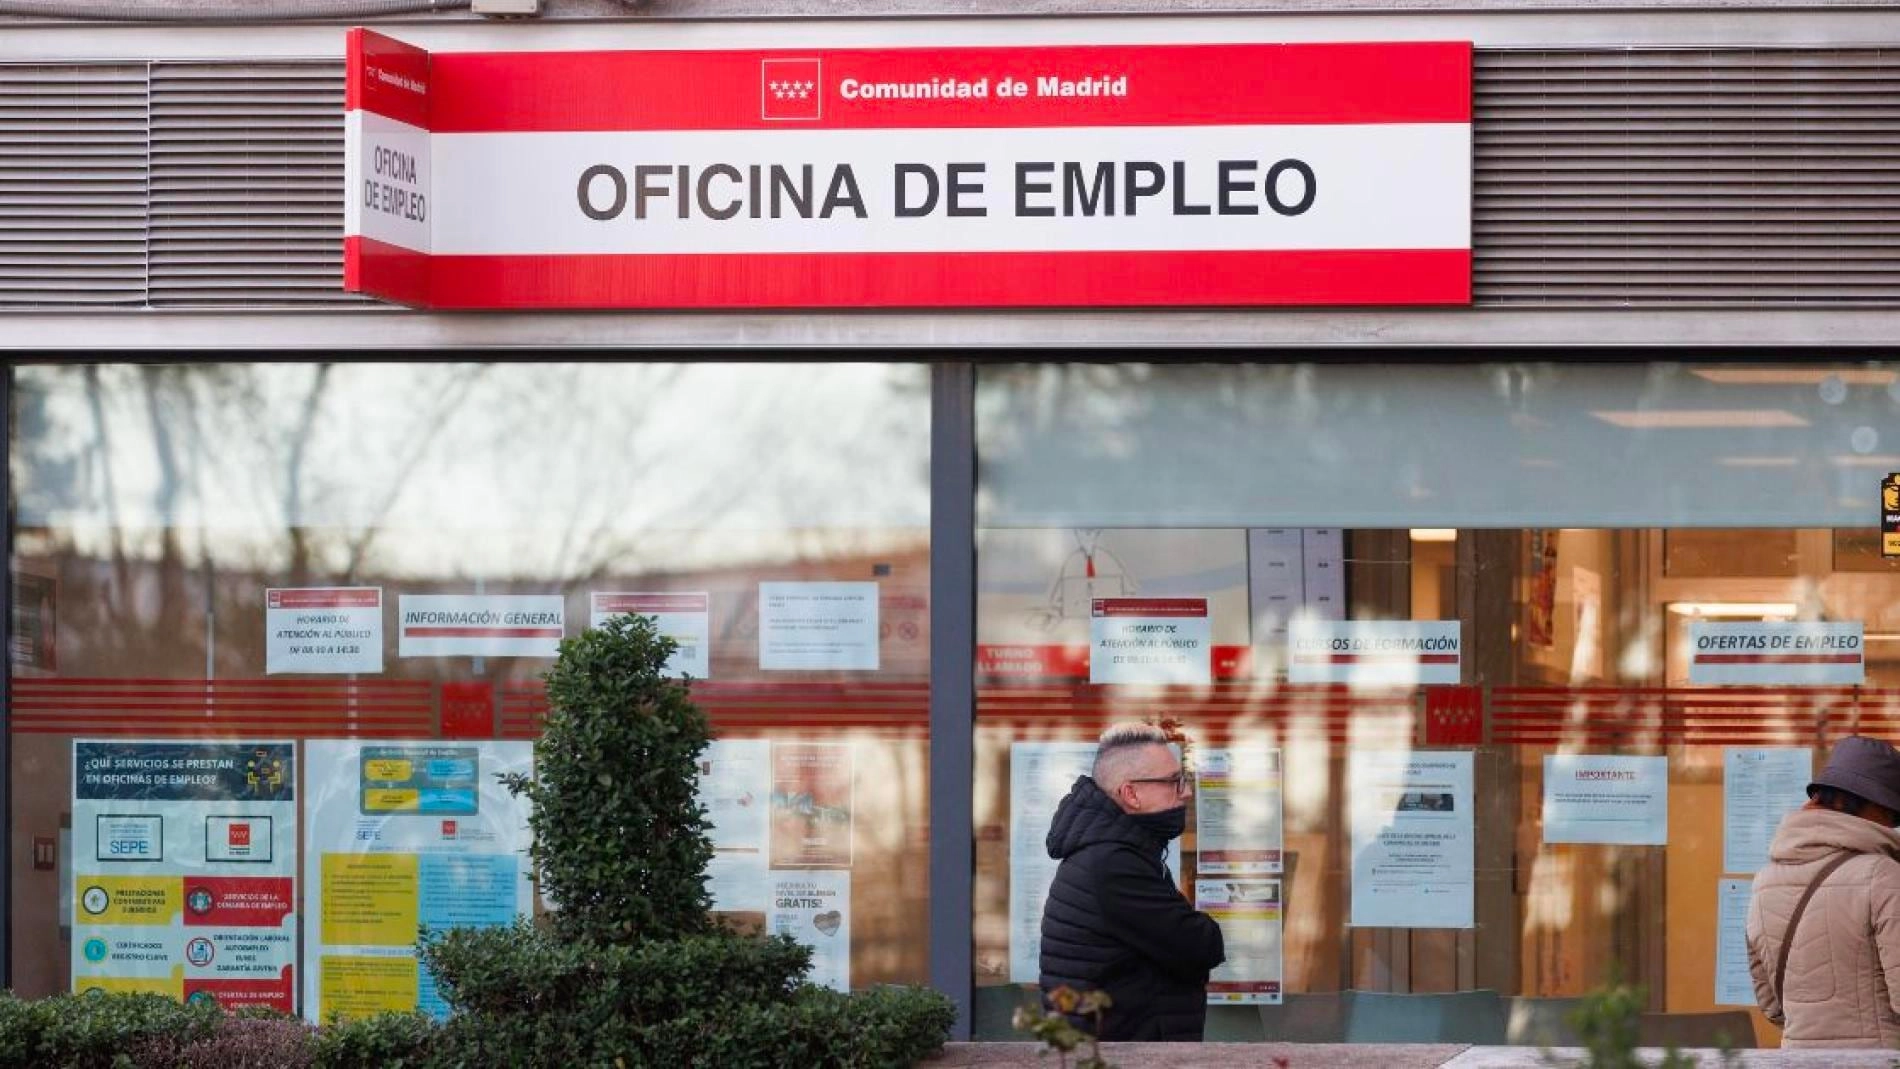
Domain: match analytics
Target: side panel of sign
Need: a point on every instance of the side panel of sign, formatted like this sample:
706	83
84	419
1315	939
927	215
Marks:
387	167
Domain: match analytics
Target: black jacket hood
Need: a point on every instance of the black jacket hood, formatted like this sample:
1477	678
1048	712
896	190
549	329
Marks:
1087	816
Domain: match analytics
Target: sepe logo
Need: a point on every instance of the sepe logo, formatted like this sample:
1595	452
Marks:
791	90
199	953
448	829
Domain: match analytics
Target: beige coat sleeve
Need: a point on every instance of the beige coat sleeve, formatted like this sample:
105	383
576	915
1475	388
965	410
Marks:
1883	906
1761	958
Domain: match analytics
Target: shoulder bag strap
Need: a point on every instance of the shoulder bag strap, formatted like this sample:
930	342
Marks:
1794	919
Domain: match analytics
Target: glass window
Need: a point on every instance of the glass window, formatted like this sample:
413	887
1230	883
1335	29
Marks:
372	563
1410	607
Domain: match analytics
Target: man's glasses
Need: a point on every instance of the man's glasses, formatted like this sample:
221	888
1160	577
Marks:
1178	781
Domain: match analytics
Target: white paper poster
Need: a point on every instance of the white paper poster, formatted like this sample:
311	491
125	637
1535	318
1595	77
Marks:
184	863
684	618
818	626
1780	654
1250	917
1412	831
398	836
1276	581
1374	652
1040	776
481	625
1591	798
327	630
814	908
1733	984
1759	787
1323	553
1150	640
1237	811
735	785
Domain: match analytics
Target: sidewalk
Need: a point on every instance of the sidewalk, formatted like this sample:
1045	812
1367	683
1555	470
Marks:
1364	1056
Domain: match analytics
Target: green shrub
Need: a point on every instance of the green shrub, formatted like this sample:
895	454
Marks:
385	1041
521	969
96	1031
815	1029
620	839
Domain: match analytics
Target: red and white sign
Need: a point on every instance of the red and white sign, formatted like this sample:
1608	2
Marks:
1150	640
323	630
684	618
1823	654
1374	652
1081	175
481	625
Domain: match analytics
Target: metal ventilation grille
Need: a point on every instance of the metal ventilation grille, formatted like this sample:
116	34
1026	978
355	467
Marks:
1686	177
72	185
247	185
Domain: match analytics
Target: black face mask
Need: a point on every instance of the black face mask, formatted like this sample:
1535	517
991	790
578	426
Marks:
1169	823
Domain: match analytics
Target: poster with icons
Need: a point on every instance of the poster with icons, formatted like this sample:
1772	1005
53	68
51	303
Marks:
184	870
400	836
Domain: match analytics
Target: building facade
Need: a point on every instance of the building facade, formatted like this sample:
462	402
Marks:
1498	628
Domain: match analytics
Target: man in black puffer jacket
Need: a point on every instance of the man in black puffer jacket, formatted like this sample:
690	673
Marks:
1114	920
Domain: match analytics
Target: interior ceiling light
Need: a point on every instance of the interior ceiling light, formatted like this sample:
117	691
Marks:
1434	534
1793	376
1887	461
1699	418
1758	462
1732	608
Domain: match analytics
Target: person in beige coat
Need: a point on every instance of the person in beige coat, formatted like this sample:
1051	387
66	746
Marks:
1842	983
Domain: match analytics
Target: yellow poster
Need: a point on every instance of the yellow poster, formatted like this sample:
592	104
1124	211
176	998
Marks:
369	900
357	985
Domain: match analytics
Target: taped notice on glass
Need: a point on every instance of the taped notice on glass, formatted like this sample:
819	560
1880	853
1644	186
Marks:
1250	917
684	618
1412	839
1150	640
323	630
1374	652
1777	654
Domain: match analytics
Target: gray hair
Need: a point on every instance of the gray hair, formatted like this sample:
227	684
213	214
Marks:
1117	750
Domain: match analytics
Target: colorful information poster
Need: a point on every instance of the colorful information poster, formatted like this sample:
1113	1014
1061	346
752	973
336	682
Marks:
1250	917
814	908
1040	776
1759	787
1734	986
818	627
401	836
324	630
481	625
1150	640
184	870
684	618
734	783
811	805
1412	838
1777	654
1374	652
1238	811
1592	798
